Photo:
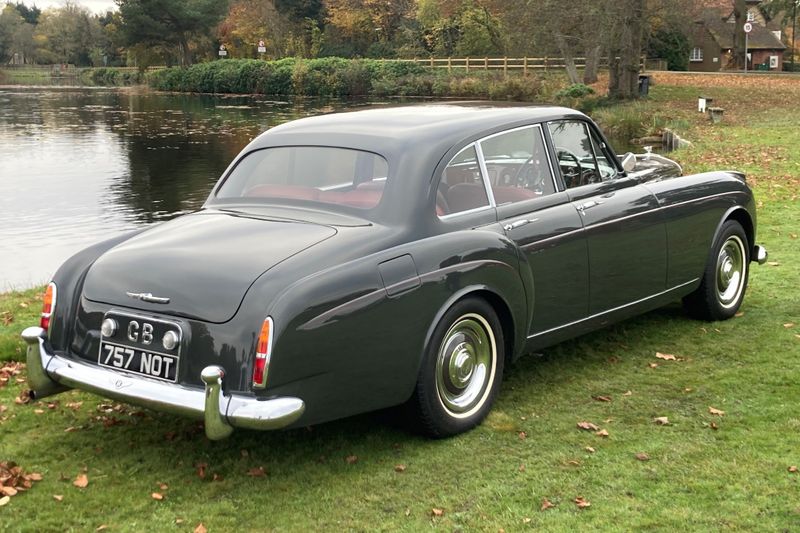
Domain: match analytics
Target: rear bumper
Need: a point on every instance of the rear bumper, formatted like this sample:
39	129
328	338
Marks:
49	374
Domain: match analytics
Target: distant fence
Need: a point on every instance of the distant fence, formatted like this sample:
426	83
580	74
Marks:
524	64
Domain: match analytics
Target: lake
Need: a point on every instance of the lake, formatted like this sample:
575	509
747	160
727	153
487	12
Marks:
79	165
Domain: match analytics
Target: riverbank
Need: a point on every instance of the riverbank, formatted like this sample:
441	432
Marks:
704	470
338	77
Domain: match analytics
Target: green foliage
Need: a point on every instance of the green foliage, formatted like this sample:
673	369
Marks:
671	45
338	77
576	90
110	77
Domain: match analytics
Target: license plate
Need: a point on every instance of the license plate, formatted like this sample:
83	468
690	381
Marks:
135	345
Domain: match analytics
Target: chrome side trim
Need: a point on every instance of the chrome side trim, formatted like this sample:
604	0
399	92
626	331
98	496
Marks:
598	315
49	374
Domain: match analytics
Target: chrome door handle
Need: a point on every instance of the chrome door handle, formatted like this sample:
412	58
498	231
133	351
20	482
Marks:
518	223
588	205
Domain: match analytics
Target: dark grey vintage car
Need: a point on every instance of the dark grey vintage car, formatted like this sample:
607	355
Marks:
398	256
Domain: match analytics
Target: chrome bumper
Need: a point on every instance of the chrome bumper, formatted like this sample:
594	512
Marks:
49	374
760	254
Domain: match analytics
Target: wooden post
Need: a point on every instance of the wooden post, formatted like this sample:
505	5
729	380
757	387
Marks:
525	66
449	64
505	66
431	61
467	63
545	63
486	63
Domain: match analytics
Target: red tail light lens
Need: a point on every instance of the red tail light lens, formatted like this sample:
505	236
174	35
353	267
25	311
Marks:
48	306
263	349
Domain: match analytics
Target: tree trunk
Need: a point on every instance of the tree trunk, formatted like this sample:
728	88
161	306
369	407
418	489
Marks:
592	62
740	17
569	60
626	51
185	52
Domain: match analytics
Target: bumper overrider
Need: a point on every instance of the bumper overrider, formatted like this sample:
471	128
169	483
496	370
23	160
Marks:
49	374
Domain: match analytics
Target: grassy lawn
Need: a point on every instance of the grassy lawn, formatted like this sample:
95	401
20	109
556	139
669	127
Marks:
701	471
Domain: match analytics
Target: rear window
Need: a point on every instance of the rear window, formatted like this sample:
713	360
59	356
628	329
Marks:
341	176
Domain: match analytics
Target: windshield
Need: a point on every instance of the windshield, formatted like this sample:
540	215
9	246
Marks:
341	176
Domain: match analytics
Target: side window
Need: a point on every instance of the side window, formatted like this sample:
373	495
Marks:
605	164
517	165
574	152
461	187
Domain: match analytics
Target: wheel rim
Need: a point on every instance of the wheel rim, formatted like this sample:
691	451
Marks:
465	365
730	271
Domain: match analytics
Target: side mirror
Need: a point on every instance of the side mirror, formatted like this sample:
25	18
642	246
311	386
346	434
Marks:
628	162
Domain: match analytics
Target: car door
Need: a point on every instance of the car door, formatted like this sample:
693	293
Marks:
542	221
625	231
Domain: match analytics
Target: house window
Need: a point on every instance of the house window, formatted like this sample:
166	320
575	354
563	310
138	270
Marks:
697	54
773	61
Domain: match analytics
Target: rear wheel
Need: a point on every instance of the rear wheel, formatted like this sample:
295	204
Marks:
724	281
461	370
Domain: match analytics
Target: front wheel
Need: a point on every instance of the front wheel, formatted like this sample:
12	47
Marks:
461	370
724	281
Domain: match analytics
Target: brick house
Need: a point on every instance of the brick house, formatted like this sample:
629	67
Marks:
712	41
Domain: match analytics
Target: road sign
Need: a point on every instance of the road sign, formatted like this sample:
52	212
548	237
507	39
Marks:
262	48
748	27
222	51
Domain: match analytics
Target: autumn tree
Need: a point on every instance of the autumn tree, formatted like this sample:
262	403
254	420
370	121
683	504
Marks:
178	23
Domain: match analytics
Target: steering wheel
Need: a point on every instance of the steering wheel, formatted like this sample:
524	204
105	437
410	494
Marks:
570	174
528	180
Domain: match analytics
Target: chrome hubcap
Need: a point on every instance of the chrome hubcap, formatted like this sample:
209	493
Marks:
465	365
730	271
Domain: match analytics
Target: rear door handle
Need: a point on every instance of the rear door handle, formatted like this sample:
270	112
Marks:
588	205
518	223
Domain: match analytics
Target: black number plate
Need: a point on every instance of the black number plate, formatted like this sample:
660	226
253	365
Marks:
136	347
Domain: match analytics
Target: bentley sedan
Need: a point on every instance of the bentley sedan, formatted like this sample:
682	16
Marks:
395	256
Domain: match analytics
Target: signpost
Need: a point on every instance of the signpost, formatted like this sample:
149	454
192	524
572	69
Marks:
262	48
222	51
748	27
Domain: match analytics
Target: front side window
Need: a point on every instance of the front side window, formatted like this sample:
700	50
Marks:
461	187
340	176
517	165
574	152
697	54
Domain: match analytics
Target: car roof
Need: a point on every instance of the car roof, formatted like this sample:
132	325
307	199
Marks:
430	125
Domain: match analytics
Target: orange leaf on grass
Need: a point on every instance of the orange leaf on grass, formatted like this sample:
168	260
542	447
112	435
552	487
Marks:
82	481
547	504
588	426
582	502
716	412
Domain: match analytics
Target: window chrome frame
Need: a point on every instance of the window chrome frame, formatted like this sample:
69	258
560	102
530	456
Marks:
485	172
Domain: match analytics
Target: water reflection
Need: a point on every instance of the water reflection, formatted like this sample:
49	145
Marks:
79	165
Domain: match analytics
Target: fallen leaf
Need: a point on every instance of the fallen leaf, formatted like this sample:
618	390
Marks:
653	365
666	356
523	435
6	318
714	426
216	477
602	398
793	469
38	411
547	504
8	491
642	456
257	472
602	433
200	528
588	426
201	470
157	496
739	314
163	486
101	527
589	449
4	500
629	393
82	481
399	468
245	453
716	412
58	497
351	459
789	325
74	405
773	263
661	420
437	512
521	468
526	520
582	503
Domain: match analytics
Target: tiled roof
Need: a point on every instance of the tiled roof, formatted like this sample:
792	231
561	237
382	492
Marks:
759	39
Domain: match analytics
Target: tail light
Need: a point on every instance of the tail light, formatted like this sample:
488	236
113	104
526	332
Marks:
263	349
48	306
